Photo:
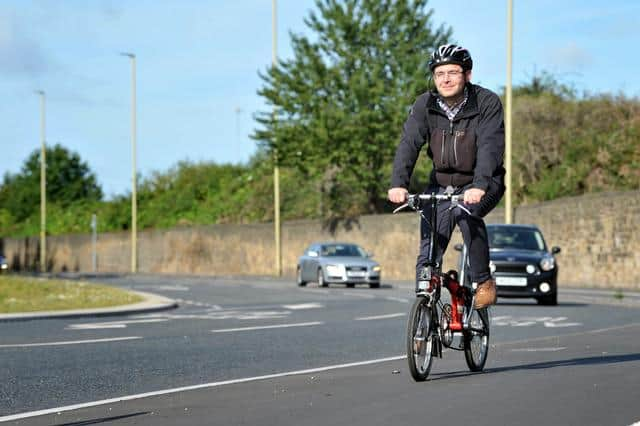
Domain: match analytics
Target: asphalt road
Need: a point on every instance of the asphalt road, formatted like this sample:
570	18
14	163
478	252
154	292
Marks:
262	351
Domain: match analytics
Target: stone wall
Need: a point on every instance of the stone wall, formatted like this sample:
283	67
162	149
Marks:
598	234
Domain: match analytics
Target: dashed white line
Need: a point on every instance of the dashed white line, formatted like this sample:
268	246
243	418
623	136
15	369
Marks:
303	306
538	349
264	327
111	324
70	342
398	299
361	295
399	314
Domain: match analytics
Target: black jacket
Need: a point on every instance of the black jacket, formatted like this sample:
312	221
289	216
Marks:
467	150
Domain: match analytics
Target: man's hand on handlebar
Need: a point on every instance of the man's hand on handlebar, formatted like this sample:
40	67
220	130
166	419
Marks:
398	195
473	195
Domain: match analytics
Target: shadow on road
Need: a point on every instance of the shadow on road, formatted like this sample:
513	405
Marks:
596	360
103	419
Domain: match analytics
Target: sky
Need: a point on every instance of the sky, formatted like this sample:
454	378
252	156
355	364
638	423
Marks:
198	62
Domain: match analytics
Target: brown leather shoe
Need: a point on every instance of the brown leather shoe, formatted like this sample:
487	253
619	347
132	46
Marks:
486	294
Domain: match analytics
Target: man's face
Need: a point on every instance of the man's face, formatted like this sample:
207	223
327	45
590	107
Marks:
450	80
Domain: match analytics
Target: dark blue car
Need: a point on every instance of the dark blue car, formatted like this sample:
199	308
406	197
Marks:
521	263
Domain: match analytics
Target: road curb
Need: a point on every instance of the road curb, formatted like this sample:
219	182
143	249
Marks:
152	303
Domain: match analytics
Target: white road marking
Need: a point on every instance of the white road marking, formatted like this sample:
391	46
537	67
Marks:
264	327
361	295
94	326
400	314
193	387
111	324
552	324
398	299
538	349
70	342
164	287
303	306
549	322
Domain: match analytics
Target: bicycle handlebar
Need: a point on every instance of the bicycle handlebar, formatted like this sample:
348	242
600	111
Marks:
413	200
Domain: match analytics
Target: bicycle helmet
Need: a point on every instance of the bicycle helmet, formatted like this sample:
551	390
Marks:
451	54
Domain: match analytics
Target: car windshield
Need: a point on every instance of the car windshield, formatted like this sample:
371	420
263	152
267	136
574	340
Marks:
348	250
520	239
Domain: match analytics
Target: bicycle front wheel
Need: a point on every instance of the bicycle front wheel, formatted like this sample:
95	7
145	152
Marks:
420	340
476	340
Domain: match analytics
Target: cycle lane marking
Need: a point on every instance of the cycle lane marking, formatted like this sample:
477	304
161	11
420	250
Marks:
548	322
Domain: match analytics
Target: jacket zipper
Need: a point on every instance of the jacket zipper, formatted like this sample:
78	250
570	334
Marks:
444	135
455	148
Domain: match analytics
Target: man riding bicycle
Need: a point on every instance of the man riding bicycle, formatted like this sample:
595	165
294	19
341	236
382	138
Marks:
462	123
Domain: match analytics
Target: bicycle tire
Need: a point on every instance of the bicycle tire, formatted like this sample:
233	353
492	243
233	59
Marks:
420	352
476	340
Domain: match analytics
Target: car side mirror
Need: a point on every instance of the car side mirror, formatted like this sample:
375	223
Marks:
555	249
370	254
313	253
458	247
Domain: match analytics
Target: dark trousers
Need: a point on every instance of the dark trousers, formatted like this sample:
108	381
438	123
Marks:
474	232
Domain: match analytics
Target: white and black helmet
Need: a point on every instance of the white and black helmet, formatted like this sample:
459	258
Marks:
451	54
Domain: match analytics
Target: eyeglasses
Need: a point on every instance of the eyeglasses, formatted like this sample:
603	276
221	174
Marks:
451	74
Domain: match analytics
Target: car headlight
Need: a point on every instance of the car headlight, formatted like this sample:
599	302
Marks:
4	266
376	268
492	267
547	263
335	270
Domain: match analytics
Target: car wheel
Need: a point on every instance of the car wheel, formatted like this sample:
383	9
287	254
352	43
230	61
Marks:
351	285
321	281
299	278
374	285
551	300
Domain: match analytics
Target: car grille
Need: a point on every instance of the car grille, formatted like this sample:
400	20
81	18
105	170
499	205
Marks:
512	268
356	268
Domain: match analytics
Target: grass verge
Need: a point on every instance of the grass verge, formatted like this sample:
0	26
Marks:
28	294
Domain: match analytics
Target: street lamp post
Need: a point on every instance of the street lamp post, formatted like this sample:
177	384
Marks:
43	185
134	185
507	151
276	169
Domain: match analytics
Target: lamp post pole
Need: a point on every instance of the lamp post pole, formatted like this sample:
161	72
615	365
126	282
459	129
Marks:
134	184
276	169
507	151
43	185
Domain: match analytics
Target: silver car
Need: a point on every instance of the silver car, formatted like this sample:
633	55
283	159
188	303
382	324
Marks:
333	262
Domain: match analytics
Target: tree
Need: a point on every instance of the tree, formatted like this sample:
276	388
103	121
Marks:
339	104
69	179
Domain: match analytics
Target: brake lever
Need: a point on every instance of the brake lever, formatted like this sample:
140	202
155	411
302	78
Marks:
400	208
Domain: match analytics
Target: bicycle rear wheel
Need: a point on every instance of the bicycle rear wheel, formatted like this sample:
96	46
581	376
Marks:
420	340
476	340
